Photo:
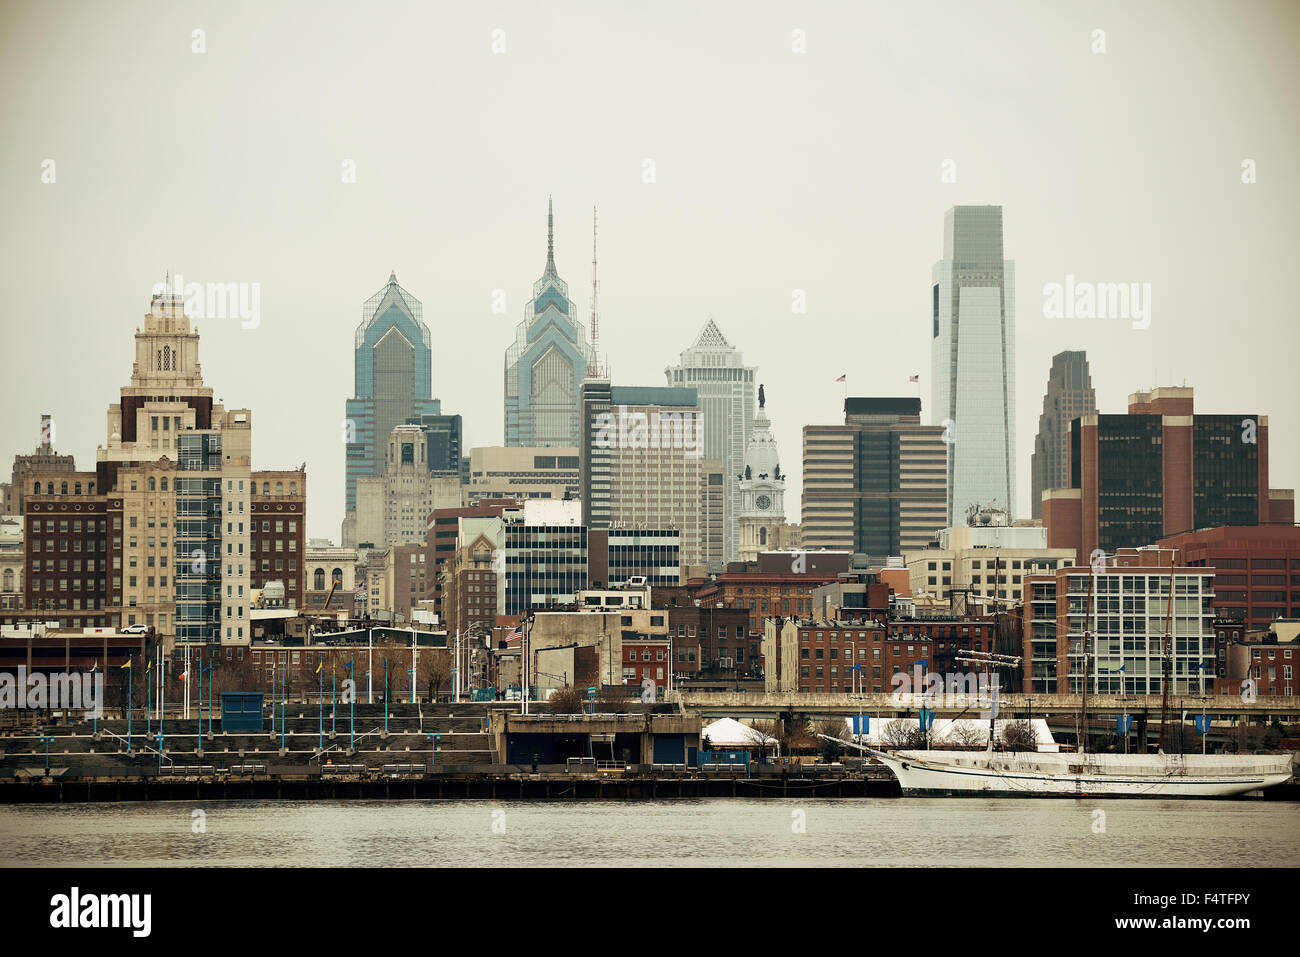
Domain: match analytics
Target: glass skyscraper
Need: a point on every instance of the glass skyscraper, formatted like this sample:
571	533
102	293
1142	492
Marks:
546	363
393	360
972	360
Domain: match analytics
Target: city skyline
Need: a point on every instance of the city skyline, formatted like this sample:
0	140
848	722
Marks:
673	251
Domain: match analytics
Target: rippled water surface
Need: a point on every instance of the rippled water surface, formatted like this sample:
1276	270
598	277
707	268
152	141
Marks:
908	832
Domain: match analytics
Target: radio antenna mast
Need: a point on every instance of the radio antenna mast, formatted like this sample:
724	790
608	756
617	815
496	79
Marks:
594	367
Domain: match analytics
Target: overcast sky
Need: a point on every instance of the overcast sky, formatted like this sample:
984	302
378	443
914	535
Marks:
774	171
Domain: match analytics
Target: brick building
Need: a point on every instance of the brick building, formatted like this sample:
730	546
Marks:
1161	470
278	533
1256	570
73	546
817	657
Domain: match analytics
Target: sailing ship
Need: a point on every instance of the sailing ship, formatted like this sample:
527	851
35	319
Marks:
1033	774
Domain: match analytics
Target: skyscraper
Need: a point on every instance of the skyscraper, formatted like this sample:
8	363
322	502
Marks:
546	363
179	467
1069	395
392	382
642	467
1161	470
972	360
715	369
876	483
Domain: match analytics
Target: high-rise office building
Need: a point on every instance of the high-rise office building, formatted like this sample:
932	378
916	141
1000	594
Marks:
546	363
876	484
395	507
643	466
180	469
1159	471
392	372
1069	395
715	369
443	435
973	362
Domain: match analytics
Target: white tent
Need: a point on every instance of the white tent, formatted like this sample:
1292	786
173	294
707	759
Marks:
730	733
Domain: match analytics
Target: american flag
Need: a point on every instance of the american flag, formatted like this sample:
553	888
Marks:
915	378
514	635
842	378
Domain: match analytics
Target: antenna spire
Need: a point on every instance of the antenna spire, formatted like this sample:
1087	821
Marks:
594	368
550	238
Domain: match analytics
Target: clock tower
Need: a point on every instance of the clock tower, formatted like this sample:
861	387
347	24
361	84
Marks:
762	489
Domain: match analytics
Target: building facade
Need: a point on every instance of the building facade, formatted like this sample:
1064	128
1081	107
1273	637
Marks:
1124	609
1162	470
876	484
545	365
984	561
497	472
972	360
1256	570
395	506
724	386
1069	395
278	533
643	466
43	460
392	360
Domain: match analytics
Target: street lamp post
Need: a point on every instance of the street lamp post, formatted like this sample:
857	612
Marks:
129	669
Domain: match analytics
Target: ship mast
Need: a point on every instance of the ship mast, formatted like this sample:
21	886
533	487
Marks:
1087	640
1165	663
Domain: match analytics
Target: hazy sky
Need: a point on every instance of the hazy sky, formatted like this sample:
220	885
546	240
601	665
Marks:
774	171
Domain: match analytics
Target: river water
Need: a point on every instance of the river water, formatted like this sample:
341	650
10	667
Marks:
882	832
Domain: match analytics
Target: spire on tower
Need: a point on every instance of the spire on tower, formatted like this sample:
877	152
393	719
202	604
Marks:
593	368
550	238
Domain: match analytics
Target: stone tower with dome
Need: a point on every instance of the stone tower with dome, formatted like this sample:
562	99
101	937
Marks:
762	488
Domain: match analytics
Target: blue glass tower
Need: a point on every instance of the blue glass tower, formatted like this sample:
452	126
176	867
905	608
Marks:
392	379
546	363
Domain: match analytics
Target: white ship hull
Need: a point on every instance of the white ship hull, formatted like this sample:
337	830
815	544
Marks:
1028	774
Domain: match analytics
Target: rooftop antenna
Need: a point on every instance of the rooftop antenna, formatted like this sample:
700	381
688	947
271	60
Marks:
594	368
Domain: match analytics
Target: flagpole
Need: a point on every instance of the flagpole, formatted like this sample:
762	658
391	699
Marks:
148	700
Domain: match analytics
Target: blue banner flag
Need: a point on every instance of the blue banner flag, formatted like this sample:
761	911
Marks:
1203	722
866	724
1123	723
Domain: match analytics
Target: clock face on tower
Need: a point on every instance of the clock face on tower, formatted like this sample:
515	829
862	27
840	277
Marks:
763	502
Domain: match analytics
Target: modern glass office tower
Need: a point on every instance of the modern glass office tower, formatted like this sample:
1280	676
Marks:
715	369
972	360
546	363
392	380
